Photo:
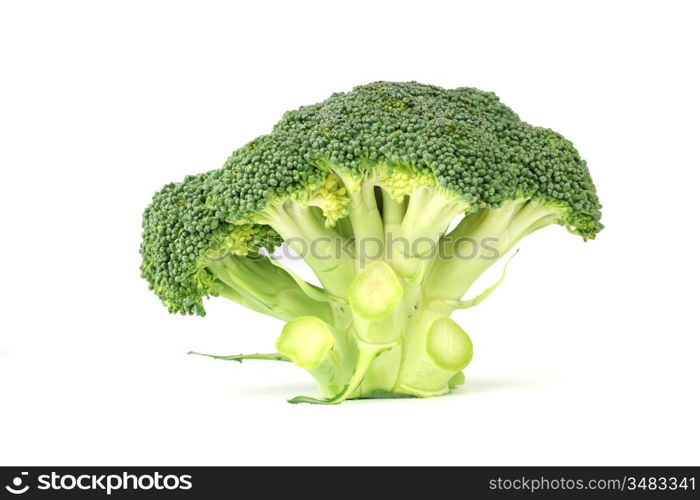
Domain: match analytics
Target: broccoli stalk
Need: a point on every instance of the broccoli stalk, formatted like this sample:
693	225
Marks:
365	187
381	322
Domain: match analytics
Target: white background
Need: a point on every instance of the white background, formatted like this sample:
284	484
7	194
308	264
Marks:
588	353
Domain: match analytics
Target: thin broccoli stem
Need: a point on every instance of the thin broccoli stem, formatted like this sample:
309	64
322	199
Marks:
465	304
367	225
344	228
264	287
415	242
273	356
393	211
251	303
480	239
304	231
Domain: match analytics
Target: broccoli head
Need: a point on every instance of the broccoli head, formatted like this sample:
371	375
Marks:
364	187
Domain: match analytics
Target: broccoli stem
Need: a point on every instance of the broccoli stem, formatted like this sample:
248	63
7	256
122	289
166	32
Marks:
387	309
480	239
272	356
251	303
366	222
366	354
305	232
393	211
428	214
264	287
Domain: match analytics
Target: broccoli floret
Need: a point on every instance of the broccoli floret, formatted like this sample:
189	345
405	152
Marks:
364	186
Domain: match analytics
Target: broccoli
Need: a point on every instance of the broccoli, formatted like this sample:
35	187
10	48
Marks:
364	186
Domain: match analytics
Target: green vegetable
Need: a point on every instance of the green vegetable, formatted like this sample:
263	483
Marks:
364	186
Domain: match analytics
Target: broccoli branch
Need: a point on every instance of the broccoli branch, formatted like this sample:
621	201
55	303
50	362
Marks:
480	239
265	287
304	229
